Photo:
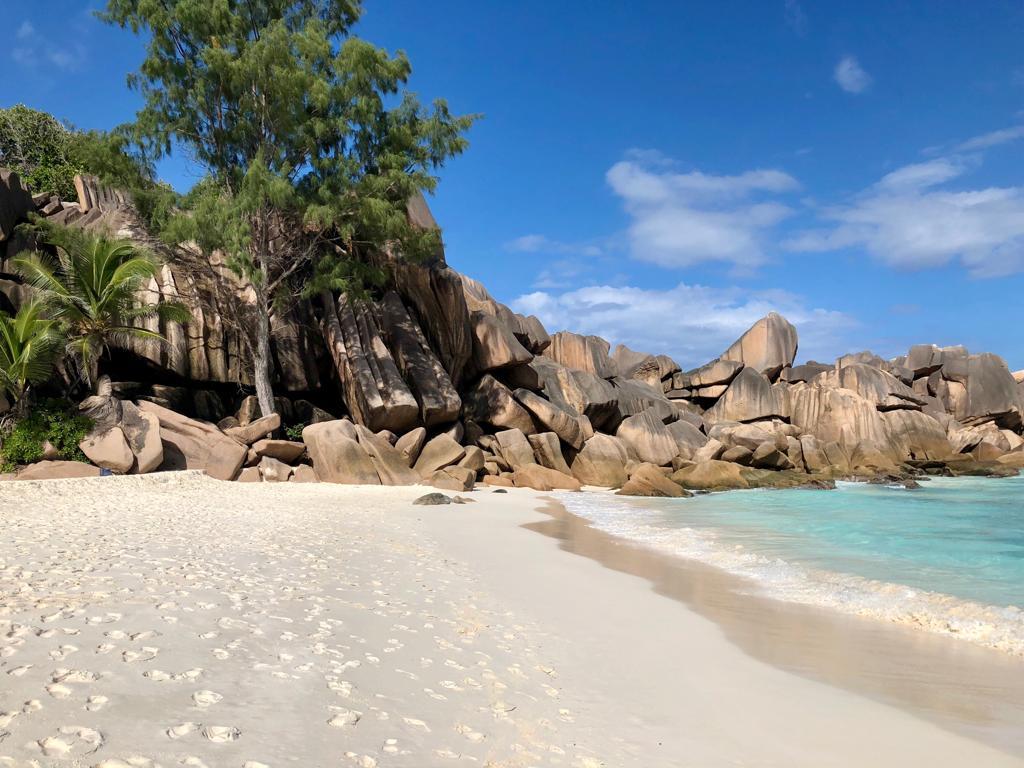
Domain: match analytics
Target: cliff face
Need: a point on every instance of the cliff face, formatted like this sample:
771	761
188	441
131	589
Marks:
437	357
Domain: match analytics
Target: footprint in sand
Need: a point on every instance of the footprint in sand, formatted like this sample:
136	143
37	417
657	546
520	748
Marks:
221	734
59	654
96	703
343	718
148	653
474	736
206	698
181	730
58	691
70	741
73	676
19	671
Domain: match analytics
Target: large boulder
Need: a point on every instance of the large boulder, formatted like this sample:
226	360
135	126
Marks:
274	471
15	203
601	462
258	429
336	454
649	480
839	415
582	353
439	452
712	475
584	392
429	381
491	402
547	449
57	470
563	422
410	444
991	393
768	346
688	437
649	438
142	431
543	479
875	385
109	450
716	372
918	435
750	397
515	448
634	396
494	345
192	444
287	451
454	478
391	464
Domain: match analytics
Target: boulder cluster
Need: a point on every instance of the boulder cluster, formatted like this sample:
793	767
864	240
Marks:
435	382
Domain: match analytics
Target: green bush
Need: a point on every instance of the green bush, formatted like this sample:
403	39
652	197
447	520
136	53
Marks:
294	432
55	421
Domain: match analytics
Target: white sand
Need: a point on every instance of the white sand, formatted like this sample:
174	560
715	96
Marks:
178	621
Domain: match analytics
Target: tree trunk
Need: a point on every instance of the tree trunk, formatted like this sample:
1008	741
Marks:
263	363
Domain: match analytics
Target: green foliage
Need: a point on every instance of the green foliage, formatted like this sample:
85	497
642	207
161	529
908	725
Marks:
53	421
294	432
89	288
44	151
311	144
29	345
47	153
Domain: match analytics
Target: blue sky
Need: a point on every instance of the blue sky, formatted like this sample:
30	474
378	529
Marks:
663	173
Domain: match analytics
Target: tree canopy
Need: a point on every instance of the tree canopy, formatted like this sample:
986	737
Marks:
311	144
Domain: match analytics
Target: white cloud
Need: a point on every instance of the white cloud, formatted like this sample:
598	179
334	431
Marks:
680	219
25	31
909	219
851	76
691	323
992	139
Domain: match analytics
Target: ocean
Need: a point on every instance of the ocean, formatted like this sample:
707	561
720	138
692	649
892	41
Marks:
947	557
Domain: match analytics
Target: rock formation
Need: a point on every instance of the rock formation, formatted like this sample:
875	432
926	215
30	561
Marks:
433	381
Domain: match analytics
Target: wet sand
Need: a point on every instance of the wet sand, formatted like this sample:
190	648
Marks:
972	690
172	620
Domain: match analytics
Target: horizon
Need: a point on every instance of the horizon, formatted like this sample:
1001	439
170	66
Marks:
855	168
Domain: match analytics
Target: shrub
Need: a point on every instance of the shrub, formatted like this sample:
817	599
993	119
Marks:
294	432
55	421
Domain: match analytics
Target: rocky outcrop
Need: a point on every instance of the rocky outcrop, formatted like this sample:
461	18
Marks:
768	346
374	390
582	353
646	436
109	450
601	462
434	355
192	444
751	397
336	454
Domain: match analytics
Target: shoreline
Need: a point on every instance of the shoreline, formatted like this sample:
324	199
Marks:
963	619
342	625
969	689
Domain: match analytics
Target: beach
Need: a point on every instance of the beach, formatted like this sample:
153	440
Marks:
173	620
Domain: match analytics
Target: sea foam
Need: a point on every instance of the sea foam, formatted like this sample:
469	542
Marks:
998	627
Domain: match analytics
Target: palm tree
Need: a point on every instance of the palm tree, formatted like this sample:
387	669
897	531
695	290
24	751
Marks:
90	287
29	345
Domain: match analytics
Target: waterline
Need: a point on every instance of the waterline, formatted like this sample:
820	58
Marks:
948	558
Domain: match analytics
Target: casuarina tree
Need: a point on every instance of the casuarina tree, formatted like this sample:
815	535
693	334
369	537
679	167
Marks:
309	140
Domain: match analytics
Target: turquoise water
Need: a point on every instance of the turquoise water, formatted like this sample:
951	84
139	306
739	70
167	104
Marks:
937	552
